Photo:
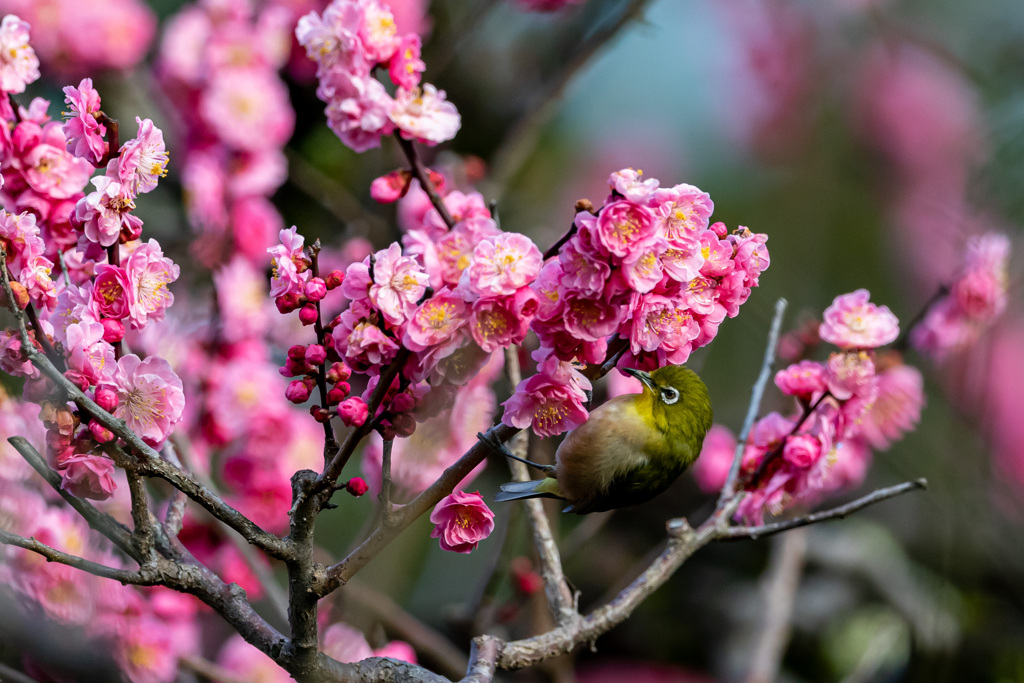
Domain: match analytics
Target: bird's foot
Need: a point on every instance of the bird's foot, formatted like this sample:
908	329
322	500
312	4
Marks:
492	442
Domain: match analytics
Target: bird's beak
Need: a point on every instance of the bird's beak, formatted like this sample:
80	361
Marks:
644	377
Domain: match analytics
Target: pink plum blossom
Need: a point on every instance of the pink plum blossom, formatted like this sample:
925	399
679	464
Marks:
435	321
803	379
897	406
854	322
716	457
682	213
87	352
150	397
849	373
40	153
106	211
88	476
425	116
150	274
461	521
19	65
622	225
548	406
248	108
501	265
398	284
630	184
143	159
83	131
359	112
110	292
406	66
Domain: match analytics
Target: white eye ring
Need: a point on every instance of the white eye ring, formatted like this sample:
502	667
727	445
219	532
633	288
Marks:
669	395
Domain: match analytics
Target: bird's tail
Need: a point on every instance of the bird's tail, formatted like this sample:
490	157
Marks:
537	488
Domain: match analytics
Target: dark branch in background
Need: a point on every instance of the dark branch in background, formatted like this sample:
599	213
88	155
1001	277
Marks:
560	598
520	141
51	554
419	171
778	588
903	343
755	403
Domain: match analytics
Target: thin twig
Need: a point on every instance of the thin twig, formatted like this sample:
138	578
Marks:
419	171
385	481
208	669
330	194
115	532
9	675
755	532
330	442
755	402
51	554
560	598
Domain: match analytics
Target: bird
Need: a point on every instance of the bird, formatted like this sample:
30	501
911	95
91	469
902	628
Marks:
630	449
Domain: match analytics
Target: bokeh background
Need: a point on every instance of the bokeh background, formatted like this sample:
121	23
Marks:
869	139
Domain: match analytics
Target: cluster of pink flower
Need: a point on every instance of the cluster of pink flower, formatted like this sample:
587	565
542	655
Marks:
857	400
74	38
976	297
219	63
45	168
348	42
647	267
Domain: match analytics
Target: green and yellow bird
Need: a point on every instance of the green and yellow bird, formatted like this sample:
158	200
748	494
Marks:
630	449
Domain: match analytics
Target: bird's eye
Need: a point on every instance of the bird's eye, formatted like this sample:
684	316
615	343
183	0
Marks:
669	395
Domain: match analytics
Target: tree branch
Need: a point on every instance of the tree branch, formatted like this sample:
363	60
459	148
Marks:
420	172
51	554
560	598
113	530
755	403
755	532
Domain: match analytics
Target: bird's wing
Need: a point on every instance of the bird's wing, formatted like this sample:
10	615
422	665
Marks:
614	440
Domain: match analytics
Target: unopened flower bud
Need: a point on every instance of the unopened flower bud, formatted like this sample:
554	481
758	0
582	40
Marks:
106	398
386	431
337	394
113	330
293	368
298	390
100	433
357	486
21	297
338	372
286	303
78	379
308	314
319	414
130	231
404	424
353	411
403	403
315	354
297	352
334	279
316	289
719	229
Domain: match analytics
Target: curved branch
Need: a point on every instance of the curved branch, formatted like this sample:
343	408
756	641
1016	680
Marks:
51	554
755	532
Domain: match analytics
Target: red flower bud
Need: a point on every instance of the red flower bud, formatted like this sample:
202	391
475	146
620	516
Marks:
286	303
113	330
334	279
308	314
719	229
404	424
338	372
315	289
21	297
298	390
403	403
337	394
315	354
100	433
78	379
353	411
106	398
297	352
319	414
357	486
